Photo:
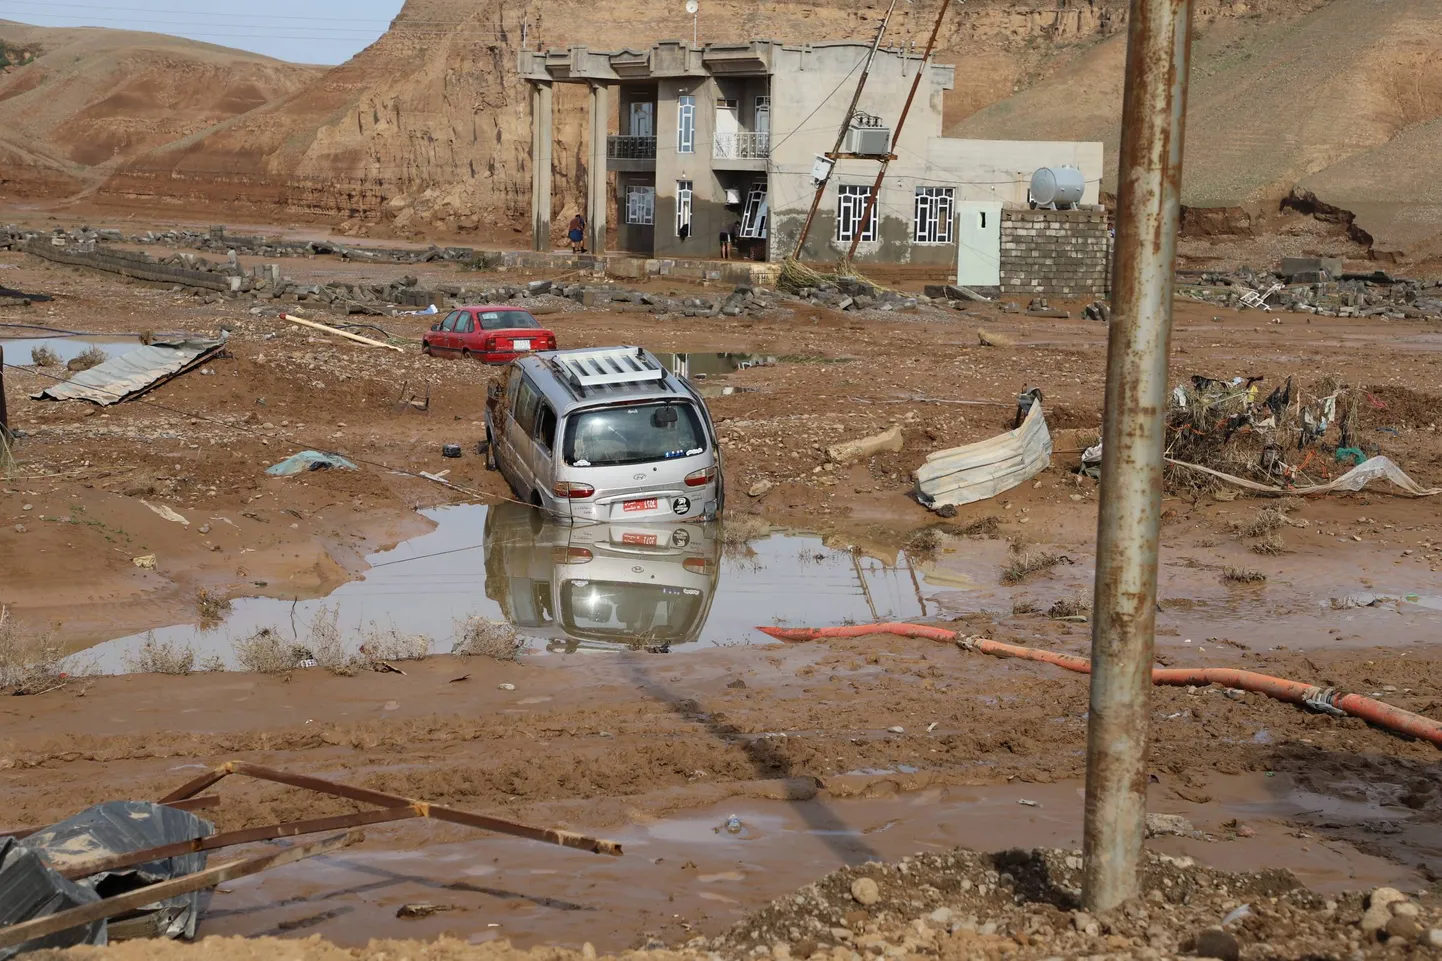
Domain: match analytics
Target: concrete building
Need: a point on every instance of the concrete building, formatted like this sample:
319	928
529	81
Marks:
700	139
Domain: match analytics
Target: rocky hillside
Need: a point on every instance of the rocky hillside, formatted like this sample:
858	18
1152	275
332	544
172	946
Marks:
430	123
77	103
1343	102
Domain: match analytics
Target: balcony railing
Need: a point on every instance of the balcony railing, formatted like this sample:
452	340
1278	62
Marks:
630	148
749	145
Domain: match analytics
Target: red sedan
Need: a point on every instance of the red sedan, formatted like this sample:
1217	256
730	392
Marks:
491	334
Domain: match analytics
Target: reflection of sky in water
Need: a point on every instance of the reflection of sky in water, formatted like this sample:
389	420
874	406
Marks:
427	583
17	349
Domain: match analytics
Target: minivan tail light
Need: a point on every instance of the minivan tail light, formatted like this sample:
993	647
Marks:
570	555
698	565
700	478
572	490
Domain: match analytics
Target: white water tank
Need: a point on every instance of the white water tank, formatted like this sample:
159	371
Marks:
1060	188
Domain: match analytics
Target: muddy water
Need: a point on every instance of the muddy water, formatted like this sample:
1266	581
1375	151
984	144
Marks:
690	874
571	589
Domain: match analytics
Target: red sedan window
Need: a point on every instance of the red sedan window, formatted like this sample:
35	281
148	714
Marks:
507	320
463	324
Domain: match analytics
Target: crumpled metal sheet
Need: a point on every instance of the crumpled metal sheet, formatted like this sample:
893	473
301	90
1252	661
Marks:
133	372
31	887
977	471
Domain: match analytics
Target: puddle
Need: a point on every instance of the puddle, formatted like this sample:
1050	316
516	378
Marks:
708	371
581	588
687	875
17	349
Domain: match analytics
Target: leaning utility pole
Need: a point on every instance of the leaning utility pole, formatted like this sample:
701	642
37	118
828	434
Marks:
841	134
896	135
1148	208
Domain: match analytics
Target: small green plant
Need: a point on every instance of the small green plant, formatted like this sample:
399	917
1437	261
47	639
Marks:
161	657
43	356
478	636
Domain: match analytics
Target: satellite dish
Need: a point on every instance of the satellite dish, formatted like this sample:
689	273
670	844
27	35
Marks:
692	6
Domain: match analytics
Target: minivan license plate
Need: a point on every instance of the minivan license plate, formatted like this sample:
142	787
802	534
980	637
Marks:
649	504
640	540
521	344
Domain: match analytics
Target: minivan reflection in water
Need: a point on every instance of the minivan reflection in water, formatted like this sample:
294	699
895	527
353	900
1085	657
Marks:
601	586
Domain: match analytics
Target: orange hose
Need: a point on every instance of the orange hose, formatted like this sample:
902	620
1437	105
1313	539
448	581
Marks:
1278	688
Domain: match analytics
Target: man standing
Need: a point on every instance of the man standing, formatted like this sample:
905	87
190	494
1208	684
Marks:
576	233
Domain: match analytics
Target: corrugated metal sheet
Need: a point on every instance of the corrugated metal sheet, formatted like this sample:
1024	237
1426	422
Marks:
132	373
977	471
31	888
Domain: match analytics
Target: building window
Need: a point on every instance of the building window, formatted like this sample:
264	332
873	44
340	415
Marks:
934	206
850	205
686	125
683	209
640	205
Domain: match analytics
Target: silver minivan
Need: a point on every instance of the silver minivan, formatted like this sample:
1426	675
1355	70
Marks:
604	434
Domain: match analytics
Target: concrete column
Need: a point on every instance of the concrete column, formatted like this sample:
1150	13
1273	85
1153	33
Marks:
596	199
542	136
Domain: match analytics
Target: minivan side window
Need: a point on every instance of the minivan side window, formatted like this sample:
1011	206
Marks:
525	410
546	426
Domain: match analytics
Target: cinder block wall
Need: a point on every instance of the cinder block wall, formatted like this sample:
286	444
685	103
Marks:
1056	253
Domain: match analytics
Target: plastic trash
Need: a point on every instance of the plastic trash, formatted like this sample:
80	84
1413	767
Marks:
733	825
308	460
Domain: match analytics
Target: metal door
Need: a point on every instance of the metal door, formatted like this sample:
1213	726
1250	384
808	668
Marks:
978	239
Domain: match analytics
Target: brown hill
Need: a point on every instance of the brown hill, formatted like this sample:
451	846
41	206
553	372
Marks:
1343	101
430	124
78	102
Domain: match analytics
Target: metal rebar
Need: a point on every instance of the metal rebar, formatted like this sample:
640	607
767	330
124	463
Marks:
1148	208
841	134
896	134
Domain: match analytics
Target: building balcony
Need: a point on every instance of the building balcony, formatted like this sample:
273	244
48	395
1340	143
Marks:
742	146
630	148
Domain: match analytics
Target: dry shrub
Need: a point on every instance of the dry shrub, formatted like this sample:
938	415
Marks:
91	356
1026	562
325	645
266	652
1242	575
1270	546
213	664
478	636
1268	520
43	356
1024	606
212	607
981	527
389	644
1078	605
30	662
924	543
161	657
737	533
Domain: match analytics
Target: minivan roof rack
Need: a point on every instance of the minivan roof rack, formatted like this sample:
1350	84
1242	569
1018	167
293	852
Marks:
607	366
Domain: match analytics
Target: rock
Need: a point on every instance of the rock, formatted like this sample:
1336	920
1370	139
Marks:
989	339
1162	825
898	729
1375	918
940	916
1086	924
1216	943
1433	938
588	951
987	929
760	489
1385	896
1406	909
506	687
1404	927
781	951
947	511
737	685
865	892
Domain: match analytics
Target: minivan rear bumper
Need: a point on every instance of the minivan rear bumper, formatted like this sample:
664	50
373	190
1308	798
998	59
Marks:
673	505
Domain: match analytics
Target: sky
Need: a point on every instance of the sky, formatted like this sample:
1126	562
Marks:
301	31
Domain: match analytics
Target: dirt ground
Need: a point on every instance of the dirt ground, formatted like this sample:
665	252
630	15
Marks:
831	755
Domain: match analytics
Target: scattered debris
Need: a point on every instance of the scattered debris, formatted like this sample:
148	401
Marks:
309	460
134	372
339	333
166	513
853	450
978	471
422	909
989	339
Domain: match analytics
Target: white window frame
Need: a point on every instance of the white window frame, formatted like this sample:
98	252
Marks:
935	210
684	193
686	124
753	221
850	205
640	205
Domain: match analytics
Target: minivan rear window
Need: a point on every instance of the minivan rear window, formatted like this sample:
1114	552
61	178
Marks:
507	320
608	436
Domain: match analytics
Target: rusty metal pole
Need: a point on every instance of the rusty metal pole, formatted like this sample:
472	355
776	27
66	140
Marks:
4	410
841	134
896	134
1138	342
